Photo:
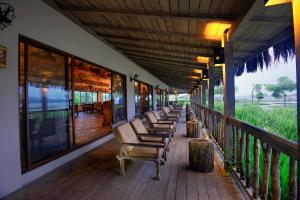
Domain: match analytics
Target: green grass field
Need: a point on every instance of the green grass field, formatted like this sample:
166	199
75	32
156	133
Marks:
278	120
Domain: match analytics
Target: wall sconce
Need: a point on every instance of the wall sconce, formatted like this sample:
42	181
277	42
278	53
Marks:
219	57
205	74
134	77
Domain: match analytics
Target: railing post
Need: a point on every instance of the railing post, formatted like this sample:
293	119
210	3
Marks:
229	98
296	16
211	94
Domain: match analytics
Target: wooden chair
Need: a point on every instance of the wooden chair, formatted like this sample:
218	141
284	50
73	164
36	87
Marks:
169	114
173	109
154	123
165	120
150	134
132	148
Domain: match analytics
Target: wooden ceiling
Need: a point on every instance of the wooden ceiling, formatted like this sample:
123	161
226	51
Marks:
165	36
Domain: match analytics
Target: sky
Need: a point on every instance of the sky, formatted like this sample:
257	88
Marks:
245	82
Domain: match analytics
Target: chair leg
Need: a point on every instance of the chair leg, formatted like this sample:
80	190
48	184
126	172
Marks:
157	165
122	165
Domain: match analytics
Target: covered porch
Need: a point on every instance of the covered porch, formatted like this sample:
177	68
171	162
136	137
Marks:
95	175
56	124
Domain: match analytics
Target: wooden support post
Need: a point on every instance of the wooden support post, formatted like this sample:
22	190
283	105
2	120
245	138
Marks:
204	84
211	94
229	97
296	15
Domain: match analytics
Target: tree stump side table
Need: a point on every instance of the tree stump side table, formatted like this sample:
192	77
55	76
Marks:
190	116
201	155
192	129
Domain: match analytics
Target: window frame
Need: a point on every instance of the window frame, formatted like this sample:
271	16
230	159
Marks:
150	91
24	153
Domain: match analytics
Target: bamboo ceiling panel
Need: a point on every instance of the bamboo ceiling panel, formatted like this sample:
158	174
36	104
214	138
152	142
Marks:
170	34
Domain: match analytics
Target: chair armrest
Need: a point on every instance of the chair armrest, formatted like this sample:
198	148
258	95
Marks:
152	135
152	145
172	123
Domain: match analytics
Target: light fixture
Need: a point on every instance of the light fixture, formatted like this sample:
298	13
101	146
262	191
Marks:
219	57
195	77
134	77
205	74
215	30
197	71
7	15
276	2
202	59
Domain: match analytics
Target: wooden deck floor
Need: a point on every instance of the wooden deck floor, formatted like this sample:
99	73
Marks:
95	176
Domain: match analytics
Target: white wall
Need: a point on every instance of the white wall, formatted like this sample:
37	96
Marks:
38	21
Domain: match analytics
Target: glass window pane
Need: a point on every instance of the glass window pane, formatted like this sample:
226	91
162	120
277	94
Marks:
118	89
83	97
48	101
89	97
77	97
93	119
95	97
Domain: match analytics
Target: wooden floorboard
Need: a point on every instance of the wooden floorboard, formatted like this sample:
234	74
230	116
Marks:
95	176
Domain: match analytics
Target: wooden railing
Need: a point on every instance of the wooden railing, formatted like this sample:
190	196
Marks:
243	138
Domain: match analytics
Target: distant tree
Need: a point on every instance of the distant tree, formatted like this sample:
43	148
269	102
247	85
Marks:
280	89
257	90
219	91
259	96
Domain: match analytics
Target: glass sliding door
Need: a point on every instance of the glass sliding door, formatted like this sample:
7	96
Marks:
159	98
93	104
137	98
64	102
143	95
44	92
119	97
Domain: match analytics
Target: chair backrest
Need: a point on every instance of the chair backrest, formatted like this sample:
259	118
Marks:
165	109
138	126
151	118
171	107
156	114
126	134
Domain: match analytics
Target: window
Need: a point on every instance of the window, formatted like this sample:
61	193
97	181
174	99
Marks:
94	112
119	99
159	98
143	94
64	102
44	104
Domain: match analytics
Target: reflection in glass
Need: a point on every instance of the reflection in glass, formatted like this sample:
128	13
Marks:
48	99
137	98
93	107
143	96
118	88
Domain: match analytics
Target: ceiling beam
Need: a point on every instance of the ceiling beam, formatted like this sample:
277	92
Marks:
134	46
156	14
167	67
181	45
153	32
164	61
183	62
159	69
163	55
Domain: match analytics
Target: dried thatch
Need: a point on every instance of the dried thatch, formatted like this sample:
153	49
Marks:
284	49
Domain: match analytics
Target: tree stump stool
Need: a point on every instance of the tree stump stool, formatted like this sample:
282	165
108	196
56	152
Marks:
192	129
201	155
190	116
